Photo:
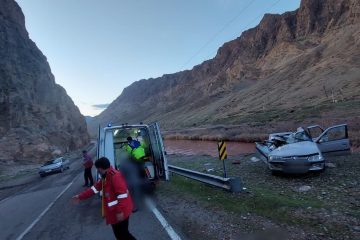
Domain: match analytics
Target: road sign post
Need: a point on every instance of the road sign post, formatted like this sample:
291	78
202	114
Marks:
222	155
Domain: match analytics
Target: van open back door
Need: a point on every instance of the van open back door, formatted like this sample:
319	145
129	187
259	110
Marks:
100	145
158	149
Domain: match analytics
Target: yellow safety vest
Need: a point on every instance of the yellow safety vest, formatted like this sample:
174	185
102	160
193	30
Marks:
137	153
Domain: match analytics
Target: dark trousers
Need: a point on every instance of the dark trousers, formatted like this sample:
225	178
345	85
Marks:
121	230
88	176
141	169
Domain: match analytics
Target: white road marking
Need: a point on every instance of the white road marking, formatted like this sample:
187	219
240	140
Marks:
44	212
172	234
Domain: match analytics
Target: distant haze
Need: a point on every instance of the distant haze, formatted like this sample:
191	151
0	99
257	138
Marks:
101	106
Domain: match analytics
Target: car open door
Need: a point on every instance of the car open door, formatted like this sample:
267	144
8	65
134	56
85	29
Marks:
334	140
315	131
158	149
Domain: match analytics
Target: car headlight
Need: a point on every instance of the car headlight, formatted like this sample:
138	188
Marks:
315	158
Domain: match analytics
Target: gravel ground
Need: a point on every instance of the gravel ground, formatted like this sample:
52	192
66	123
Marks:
323	205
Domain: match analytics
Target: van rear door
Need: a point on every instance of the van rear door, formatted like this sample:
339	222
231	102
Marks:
100	143
158	149
106	144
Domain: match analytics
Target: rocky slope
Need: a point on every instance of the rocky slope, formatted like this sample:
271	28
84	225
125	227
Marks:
298	67
37	117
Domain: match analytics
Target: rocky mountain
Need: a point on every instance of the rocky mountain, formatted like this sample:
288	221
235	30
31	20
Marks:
37	117
88	118
295	68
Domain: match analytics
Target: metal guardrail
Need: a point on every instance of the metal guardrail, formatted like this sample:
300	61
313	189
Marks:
229	184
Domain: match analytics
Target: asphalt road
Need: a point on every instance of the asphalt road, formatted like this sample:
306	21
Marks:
43	210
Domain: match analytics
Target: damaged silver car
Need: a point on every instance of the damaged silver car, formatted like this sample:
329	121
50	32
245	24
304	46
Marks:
304	150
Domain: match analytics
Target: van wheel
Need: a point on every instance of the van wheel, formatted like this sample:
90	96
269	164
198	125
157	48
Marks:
150	188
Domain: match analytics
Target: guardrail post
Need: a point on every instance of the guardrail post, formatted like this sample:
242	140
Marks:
235	184
222	155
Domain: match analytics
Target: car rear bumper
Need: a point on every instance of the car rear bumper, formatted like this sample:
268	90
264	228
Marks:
48	171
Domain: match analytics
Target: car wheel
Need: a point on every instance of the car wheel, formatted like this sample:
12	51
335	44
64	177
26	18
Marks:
42	175
275	172
323	169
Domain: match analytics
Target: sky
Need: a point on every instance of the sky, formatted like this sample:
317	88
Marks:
97	48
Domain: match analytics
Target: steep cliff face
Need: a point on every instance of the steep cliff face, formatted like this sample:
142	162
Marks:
37	117
305	58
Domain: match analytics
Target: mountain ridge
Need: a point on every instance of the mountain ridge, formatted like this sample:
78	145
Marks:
37	117
311	53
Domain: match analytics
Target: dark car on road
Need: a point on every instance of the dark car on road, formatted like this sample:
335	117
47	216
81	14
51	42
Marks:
55	165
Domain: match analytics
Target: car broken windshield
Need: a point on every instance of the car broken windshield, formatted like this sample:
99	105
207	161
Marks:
299	136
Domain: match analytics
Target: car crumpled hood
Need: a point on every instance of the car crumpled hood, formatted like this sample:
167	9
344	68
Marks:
296	149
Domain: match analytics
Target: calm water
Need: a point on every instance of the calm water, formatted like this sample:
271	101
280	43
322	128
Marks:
190	147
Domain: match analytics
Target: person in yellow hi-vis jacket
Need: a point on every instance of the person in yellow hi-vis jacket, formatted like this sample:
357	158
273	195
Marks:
137	152
135	149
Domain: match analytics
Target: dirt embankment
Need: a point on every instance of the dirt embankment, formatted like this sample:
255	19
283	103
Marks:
322	205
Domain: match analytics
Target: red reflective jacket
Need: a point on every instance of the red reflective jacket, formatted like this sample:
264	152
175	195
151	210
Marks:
116	197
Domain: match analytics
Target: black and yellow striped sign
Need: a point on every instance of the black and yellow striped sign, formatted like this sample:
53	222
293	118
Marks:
222	150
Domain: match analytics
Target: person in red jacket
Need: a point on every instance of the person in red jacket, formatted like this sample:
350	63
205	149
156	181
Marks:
117	204
87	163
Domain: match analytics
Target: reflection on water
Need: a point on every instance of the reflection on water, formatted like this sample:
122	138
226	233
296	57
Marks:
191	147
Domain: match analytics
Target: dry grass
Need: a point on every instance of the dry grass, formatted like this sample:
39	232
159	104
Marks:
328	210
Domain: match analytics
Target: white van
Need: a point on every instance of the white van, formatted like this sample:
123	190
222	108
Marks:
112	145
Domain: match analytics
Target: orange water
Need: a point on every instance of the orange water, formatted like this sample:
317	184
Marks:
192	147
